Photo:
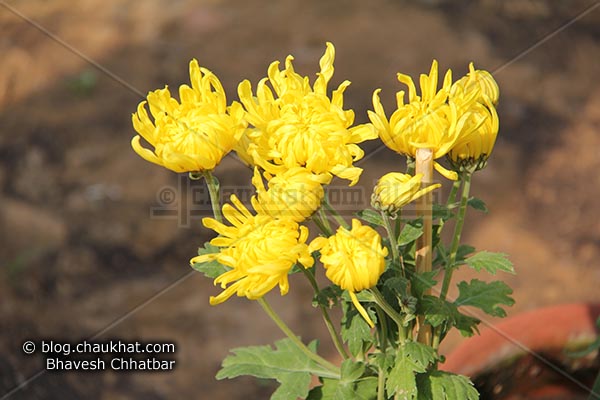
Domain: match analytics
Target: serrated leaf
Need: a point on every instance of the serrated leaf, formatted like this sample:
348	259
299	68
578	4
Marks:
286	363
370	216
437	311
419	353
410	232
466	324
355	330
463	251
412	358
324	392
211	269
422	282
477	204
396	285
401	379
491	262
328	296
448	386
351	385
485	296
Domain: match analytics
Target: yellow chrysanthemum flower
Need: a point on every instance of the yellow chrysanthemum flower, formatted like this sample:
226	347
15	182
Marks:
395	190
193	134
473	150
300	126
477	80
259	249
296	193
426	121
354	260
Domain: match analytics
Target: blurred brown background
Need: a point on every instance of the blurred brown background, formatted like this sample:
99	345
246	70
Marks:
80	248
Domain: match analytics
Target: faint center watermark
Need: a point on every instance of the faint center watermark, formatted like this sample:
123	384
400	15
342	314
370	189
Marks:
189	200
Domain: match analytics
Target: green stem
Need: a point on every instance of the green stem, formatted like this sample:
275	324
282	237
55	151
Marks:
457	233
453	192
320	225
389	310
381	384
449	202
383	347
288	332
213	191
337	341
338	218
324	219
393	238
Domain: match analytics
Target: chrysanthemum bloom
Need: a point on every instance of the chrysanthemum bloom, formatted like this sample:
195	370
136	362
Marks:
472	151
193	134
259	249
426	121
296	193
477	79
395	190
300	126
354	260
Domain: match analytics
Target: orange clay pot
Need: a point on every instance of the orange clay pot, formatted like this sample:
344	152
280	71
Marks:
523	357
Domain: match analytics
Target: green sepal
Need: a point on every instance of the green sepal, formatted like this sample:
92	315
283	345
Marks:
210	269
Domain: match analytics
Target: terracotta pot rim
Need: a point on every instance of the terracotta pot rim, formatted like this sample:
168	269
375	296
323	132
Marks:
554	327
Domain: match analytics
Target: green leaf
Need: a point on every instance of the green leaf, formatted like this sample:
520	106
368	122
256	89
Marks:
412	358
442	212
442	385
423	282
401	378
351	385
477	204
466	324
491	262
395	285
463	251
419	353
485	296
370	216
324	392
286	363
328	296
355	330
410	232
437	311
210	269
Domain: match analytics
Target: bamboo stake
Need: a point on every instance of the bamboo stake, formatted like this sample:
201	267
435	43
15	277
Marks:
424	165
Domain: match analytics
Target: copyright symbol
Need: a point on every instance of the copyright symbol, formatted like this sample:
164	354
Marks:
28	347
167	195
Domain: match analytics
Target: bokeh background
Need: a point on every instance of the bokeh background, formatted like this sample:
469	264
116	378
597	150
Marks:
82	251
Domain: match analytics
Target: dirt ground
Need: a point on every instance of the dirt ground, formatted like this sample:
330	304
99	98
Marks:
84	252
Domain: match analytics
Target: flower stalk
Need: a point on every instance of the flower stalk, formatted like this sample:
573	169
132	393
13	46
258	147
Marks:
213	191
335	336
460	221
290	334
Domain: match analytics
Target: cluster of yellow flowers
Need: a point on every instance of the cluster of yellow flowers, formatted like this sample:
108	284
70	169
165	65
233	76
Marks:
296	138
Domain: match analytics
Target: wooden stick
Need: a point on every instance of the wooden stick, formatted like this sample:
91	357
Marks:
424	165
